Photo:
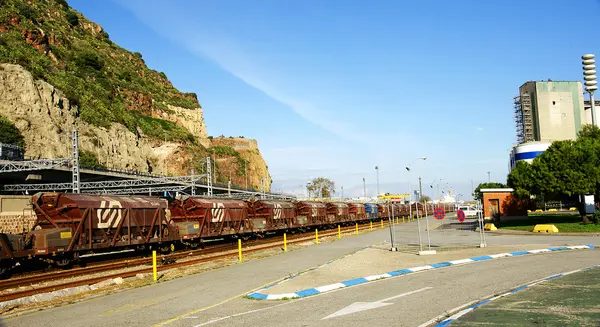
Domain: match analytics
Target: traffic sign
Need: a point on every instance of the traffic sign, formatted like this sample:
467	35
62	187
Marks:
460	215
439	214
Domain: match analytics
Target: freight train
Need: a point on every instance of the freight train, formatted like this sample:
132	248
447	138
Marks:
69	225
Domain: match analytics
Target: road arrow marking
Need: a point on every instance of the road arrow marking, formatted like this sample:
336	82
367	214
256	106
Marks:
362	306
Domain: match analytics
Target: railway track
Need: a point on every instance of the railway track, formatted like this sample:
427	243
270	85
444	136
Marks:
230	250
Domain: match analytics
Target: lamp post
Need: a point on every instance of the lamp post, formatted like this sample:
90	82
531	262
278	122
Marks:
589	75
364	189
342	193
437	192
377	170
410	199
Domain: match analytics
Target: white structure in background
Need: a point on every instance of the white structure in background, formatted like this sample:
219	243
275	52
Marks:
527	152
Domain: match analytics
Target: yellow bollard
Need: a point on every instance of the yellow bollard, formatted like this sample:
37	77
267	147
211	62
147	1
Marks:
154	265
371	225
240	249
317	235
381	223
339	232
403	219
284	242
356	228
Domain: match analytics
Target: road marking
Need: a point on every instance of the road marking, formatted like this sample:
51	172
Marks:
182	316
240	314
362	306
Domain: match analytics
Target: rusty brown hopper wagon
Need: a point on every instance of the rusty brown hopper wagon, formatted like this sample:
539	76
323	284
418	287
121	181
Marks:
357	211
338	212
309	213
270	215
382	210
68	225
197	217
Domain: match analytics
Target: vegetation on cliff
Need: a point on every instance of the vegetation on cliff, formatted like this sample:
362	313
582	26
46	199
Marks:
107	83
10	134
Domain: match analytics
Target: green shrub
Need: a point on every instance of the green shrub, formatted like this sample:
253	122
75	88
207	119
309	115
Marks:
10	134
89	159
223	151
72	18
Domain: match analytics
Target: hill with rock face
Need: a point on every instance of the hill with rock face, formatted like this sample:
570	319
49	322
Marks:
59	72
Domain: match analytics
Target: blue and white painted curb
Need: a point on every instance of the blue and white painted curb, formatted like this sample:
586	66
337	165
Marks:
463	312
328	288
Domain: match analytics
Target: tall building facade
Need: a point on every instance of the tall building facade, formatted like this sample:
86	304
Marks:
546	111
549	111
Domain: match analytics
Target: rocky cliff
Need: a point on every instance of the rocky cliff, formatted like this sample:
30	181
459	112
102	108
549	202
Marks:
60	72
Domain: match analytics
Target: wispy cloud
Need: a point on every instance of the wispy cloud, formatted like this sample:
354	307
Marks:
170	21
479	129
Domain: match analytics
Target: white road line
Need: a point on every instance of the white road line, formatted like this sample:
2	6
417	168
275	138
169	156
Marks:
240	314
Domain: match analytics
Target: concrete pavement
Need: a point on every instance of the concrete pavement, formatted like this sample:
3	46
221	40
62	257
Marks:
216	294
413	299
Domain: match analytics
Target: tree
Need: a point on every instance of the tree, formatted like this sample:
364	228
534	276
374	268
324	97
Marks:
565	170
321	187
477	195
425	198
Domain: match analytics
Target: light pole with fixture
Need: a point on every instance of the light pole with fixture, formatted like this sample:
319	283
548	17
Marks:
410	200
589	75
364	188
377	169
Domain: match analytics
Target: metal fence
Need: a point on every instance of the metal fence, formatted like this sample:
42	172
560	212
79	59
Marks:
426	232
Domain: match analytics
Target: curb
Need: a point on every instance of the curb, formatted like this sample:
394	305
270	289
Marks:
361	280
461	313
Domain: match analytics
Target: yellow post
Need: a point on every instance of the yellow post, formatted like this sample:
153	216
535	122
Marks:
339	232
356	228
240	249
154	265
284	242
317	235
371	225
381	223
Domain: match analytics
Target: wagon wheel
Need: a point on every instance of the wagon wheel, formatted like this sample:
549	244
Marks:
5	271
63	261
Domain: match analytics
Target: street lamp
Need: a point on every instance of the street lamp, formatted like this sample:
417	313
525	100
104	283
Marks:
437	193
364	188
377	169
589	75
410	199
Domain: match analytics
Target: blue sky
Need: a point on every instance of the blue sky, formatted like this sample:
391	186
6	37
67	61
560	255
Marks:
334	88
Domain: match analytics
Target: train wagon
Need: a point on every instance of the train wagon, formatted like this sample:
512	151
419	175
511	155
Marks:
338	212
357	212
382	211
198	218
372	210
68	225
309	213
271	215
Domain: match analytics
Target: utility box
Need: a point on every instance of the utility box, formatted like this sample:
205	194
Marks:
588	204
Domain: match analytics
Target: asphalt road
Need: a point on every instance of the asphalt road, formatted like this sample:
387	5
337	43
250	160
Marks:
434	292
215	294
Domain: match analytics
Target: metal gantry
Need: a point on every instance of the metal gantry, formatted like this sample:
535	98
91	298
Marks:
75	157
185	180
29	165
149	190
209	185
